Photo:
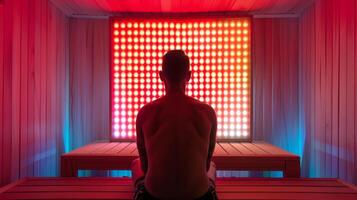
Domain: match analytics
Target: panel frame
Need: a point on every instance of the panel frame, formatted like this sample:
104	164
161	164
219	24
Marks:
184	16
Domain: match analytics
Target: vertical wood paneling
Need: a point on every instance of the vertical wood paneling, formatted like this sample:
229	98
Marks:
350	78
328	86
328	95
275	83
2	167
6	113
89	80
334	90
355	103
32	41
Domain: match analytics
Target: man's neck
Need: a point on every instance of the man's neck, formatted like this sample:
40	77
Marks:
175	89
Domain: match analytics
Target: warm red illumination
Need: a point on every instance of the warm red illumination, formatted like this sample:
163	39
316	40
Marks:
219	50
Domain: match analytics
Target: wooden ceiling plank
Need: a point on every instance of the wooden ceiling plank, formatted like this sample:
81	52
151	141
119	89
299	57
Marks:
108	7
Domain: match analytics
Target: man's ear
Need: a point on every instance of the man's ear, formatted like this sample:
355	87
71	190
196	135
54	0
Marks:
188	76
161	75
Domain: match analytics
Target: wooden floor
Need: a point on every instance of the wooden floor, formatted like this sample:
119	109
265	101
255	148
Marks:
119	188
256	156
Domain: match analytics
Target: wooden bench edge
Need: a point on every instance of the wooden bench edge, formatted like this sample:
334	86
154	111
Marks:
12	185
350	185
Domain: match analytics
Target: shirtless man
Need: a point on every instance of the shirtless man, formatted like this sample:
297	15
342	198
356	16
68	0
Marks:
176	136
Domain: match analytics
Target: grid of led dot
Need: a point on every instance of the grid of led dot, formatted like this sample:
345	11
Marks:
219	52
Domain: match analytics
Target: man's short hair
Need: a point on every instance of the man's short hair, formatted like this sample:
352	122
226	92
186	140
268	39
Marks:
175	65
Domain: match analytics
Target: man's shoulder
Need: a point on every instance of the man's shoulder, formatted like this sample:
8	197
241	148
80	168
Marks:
149	106
202	105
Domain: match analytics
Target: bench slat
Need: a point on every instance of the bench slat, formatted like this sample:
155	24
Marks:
241	148
255	149
230	149
218	150
118	148
88	148
287	196
271	148
107	148
69	195
220	189
129	149
227	188
71	188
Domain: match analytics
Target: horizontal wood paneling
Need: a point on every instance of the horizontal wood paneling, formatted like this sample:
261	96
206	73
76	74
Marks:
328	89
33	68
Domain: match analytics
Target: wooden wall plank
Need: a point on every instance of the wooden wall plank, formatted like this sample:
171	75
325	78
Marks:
317	61
342	168
2	26
335	87
350	79
23	89
355	84
7	92
31	87
15	84
328	95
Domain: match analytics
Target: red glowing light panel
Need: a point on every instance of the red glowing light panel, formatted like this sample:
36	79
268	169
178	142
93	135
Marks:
220	59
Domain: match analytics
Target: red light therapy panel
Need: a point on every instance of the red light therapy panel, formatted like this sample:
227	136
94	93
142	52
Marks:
220	60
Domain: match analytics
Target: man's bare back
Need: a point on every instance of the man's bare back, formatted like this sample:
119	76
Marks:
176	136
177	133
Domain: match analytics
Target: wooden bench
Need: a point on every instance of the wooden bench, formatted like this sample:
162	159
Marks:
256	156
121	188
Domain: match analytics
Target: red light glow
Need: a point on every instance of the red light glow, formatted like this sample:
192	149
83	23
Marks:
219	51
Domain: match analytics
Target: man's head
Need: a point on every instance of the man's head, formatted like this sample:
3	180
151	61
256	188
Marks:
175	68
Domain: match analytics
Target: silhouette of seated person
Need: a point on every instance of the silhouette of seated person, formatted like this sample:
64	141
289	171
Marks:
176	136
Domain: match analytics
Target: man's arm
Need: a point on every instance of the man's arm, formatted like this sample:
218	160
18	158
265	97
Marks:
140	142
212	141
